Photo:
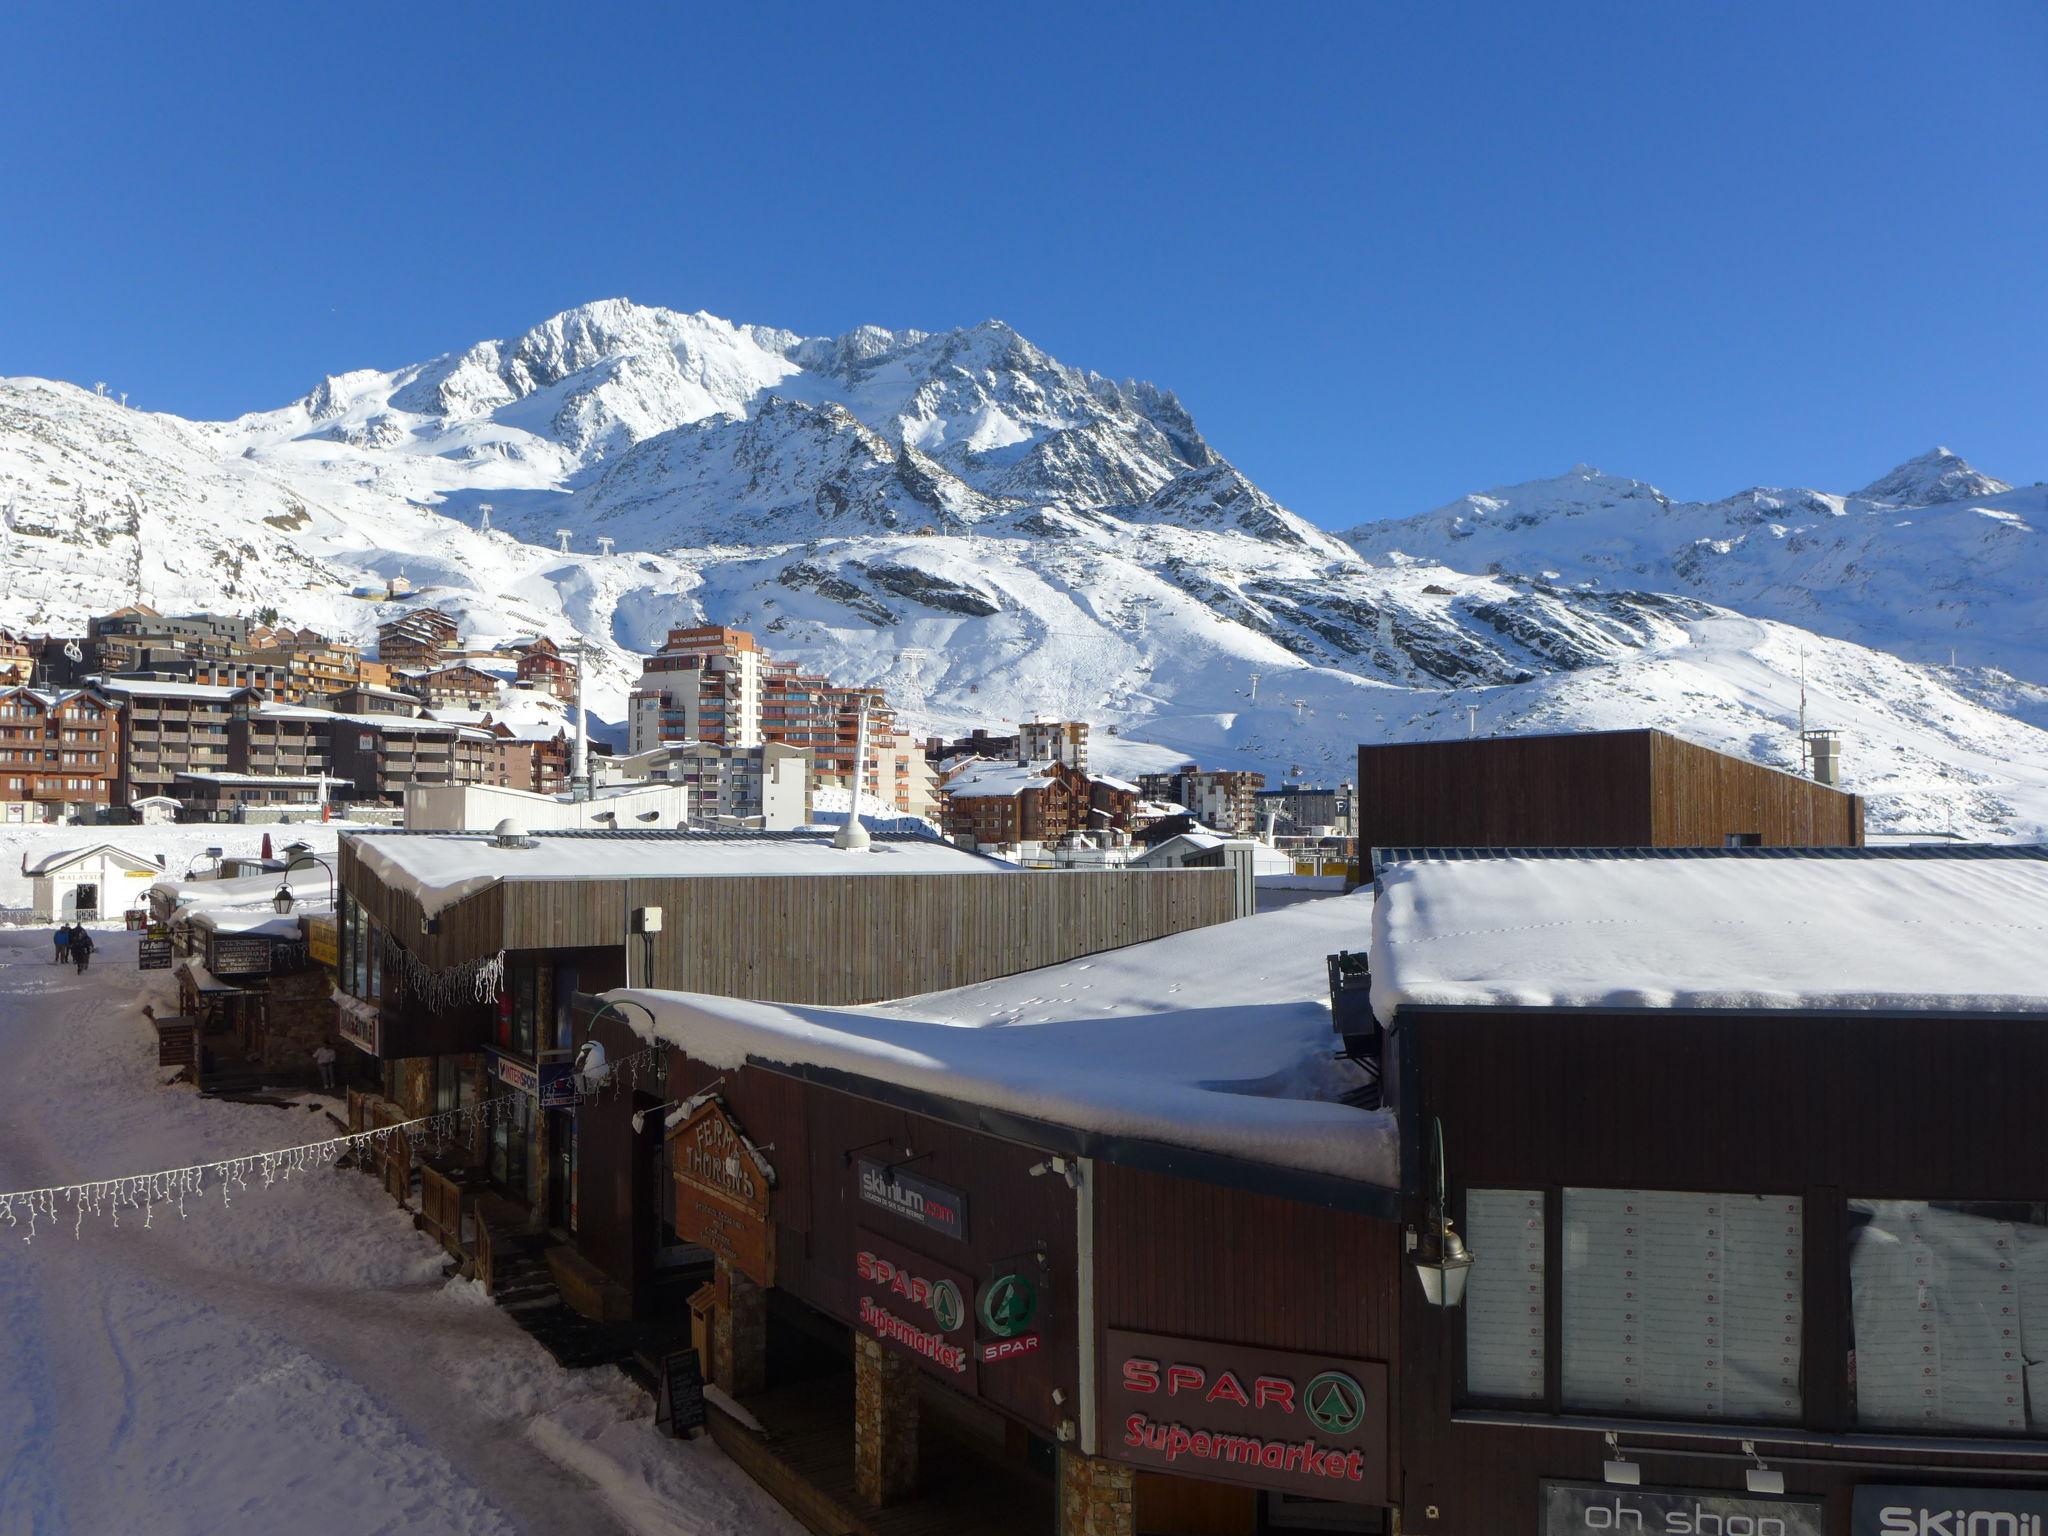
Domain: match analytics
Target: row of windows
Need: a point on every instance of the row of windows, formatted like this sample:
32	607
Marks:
55	786
1689	1306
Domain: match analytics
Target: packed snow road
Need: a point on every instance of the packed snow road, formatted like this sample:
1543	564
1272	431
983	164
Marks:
294	1361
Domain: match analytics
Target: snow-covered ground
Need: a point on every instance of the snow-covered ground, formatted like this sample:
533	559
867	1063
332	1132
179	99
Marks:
293	1362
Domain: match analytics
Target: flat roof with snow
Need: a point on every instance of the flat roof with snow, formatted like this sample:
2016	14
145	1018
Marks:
1913	930
1216	1041
439	869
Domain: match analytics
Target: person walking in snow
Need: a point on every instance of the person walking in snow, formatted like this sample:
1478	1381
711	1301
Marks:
81	948
63	938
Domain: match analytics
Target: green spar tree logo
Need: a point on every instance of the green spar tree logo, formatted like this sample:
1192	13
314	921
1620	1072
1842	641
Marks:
948	1309
1335	1403
1007	1304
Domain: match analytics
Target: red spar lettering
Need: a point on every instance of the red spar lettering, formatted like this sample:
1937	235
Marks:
1183	1378
1141	1375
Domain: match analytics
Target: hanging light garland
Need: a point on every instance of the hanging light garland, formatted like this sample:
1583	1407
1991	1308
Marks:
27	1211
473	981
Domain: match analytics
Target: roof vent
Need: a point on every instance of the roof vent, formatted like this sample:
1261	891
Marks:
509	834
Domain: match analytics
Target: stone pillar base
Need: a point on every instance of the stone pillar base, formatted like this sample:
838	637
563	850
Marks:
739	1334
1095	1496
885	1413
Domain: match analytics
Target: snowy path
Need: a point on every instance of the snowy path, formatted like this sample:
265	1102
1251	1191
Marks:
294	1362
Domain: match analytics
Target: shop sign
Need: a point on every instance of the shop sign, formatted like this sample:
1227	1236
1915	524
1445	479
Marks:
323	941
922	1308
722	1193
1896	1510
239	956
1008	1303
515	1074
994	1351
153	954
1570	1509
558	1085
361	1025
936	1207
1305	1424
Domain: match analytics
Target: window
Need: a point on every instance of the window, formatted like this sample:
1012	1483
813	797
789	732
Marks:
1681	1305
1504	1294
1949	1312
1669	1305
1742	840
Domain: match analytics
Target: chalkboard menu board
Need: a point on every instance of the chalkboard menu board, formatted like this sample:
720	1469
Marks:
679	1408
153	954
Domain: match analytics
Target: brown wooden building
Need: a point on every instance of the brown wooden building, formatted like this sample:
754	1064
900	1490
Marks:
1628	789
1122	1309
1756	1189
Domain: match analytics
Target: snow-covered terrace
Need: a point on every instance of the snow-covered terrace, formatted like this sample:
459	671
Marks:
1821	931
1217	1040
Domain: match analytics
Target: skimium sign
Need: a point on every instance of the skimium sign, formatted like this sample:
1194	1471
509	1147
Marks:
1915	1511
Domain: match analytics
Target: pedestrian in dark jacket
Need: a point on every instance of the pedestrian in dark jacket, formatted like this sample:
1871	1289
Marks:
81	948
63	938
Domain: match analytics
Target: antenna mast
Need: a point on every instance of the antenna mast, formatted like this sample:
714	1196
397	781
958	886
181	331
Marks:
853	836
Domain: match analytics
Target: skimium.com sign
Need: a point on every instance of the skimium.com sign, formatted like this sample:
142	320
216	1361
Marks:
1914	1511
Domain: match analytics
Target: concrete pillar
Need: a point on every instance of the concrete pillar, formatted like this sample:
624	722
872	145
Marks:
884	1424
1095	1496
739	1334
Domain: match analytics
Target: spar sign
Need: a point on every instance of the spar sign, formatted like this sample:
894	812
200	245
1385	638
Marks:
1305	1424
916	1305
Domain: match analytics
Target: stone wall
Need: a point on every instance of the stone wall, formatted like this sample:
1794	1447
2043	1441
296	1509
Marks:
1095	1496
739	1334
300	1019
884	1423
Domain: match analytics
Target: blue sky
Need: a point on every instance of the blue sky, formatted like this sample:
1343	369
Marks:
1385	256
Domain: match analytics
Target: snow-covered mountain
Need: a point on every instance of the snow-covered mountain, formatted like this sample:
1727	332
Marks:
1933	558
989	533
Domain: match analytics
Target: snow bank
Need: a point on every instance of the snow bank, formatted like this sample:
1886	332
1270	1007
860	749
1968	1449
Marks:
1217	1040
1816	934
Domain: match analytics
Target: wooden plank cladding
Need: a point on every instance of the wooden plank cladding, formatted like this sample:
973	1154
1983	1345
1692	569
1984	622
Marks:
1606	789
864	938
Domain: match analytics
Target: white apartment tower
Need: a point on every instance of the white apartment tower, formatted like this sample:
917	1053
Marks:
704	684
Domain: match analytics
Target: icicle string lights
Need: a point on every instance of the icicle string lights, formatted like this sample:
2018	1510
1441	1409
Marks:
27	1211
474	981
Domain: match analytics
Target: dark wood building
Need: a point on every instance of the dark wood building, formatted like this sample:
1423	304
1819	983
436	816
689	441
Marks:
1782	1230
1587	789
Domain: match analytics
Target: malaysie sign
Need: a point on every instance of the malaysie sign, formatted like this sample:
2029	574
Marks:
1883	1510
936	1207
238	956
922	1308
1570	1509
1305	1424
722	1193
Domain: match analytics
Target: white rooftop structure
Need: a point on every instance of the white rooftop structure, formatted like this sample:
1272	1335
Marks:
1924	930
999	781
141	687
479	807
439	869
1217	1040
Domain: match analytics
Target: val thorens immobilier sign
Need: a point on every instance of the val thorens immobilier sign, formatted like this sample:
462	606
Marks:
722	1193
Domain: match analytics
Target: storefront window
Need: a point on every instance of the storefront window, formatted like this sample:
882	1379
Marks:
1504	1295
520	974
567	982
1942	1298
511	1136
373	942
1681	1305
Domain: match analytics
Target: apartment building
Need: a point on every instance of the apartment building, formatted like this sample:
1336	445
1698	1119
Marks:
771	781
529	755
265	737
542	665
704	684
60	754
1010	805
168	728
370	699
379	755
1223	798
422	638
313	665
1054	741
271	678
455	685
196	634
17	660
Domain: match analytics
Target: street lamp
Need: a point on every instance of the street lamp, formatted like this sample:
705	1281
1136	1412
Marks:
1441	1258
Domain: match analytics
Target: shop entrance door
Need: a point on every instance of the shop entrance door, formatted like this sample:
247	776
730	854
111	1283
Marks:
562	1169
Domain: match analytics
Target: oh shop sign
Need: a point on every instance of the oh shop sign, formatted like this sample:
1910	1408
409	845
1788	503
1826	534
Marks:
1305	1424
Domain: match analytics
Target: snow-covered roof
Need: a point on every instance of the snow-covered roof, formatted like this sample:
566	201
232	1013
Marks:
249	924
50	863
1921	930
1182	843
996	781
212	776
311	886
147	688
1122	786
439	869
1216	1040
